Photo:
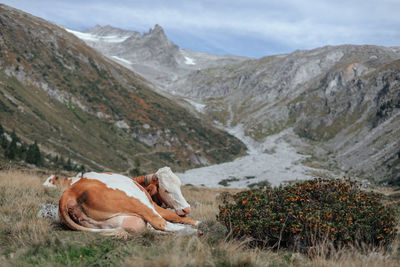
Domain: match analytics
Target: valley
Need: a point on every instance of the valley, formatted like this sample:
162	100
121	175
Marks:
342	101
328	111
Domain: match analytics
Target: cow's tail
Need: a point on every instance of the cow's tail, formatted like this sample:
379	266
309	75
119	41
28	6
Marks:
67	220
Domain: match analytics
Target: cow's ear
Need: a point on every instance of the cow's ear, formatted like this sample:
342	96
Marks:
152	189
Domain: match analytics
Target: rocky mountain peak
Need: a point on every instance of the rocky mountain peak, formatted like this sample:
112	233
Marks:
157	30
157	37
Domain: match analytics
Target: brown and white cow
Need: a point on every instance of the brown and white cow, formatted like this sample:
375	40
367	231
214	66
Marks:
166	193
102	202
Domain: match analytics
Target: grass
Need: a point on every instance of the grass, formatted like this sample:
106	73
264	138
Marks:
26	240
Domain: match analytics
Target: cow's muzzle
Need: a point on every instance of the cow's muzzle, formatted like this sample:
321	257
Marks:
184	212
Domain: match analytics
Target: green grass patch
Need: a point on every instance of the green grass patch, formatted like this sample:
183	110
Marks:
102	252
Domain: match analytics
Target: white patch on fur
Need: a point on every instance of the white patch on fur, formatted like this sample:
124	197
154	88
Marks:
47	183
168	181
123	183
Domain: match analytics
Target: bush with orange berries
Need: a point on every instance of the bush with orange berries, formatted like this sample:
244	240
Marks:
305	214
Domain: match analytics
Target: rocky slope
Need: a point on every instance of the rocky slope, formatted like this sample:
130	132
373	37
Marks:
76	103
344	100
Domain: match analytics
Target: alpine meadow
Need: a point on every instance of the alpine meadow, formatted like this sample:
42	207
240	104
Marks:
290	159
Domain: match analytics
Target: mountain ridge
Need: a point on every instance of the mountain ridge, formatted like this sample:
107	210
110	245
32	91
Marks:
150	54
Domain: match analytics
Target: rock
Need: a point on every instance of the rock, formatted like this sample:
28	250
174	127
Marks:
49	211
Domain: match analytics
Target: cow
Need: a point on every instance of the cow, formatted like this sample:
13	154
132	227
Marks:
150	182
106	202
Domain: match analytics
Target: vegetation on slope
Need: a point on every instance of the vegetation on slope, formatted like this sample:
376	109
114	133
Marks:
16	153
75	103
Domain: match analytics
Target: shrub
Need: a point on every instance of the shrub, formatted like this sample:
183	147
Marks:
226	182
3	139
33	155
12	150
308	213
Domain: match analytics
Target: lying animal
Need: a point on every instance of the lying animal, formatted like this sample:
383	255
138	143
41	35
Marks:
102	202
150	182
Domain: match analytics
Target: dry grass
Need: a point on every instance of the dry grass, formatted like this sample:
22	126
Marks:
28	240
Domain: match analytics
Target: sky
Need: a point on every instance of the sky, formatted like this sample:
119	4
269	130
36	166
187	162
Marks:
253	28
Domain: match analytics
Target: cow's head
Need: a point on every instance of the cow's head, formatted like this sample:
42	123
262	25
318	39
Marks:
169	190
51	181
55	181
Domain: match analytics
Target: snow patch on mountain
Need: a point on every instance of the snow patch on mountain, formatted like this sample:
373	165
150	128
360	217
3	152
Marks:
274	160
189	61
96	38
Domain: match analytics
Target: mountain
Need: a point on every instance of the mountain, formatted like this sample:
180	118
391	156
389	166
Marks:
150	54
79	104
343	100
339	103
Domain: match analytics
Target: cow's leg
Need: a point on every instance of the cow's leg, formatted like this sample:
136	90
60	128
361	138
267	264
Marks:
77	215
129	223
171	216
133	224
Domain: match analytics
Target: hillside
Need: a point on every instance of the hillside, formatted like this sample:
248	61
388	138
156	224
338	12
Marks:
342	100
76	103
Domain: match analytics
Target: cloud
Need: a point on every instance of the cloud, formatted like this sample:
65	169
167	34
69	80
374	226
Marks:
292	24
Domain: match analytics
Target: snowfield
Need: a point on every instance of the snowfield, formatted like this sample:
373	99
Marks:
274	160
189	61
96	38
